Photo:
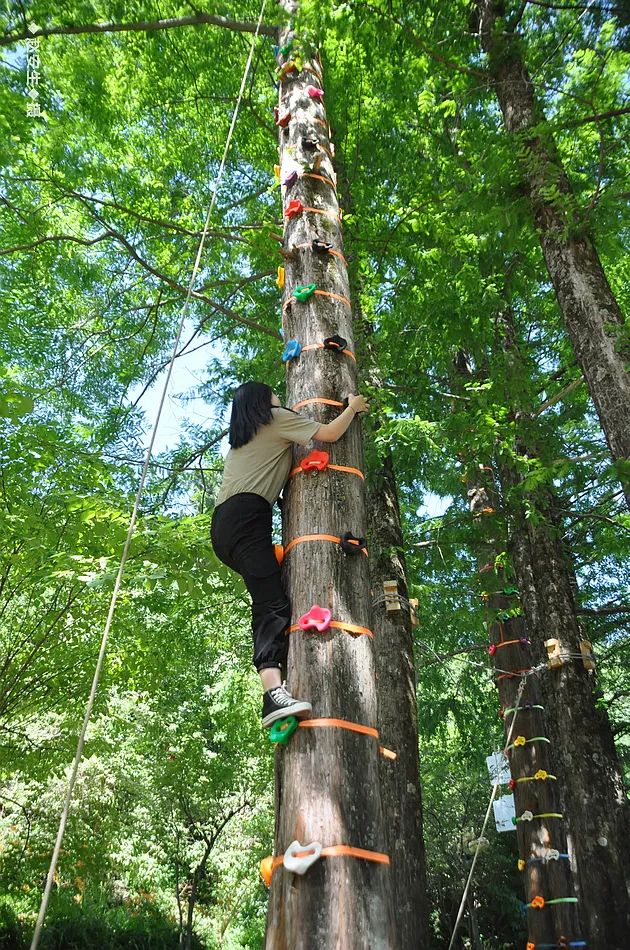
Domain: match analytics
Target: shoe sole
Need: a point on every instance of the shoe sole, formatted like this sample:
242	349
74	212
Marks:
300	711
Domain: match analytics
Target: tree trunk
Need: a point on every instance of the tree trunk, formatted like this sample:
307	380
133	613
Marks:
590	311
524	718
589	779
590	783
327	778
398	713
395	664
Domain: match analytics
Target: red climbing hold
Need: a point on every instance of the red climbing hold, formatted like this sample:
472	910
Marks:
294	208
317	618
492	649
512	784
315	461
281	119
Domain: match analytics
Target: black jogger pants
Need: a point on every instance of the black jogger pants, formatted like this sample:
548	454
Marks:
241	538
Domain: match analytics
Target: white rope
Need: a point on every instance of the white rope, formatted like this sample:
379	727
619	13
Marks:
134	514
485	821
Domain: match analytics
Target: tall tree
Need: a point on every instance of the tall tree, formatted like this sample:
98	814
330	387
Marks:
328	787
592	316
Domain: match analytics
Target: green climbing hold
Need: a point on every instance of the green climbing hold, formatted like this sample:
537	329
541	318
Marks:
303	293
510	591
282	729
286	49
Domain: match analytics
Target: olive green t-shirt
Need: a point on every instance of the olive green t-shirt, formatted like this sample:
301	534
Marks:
263	465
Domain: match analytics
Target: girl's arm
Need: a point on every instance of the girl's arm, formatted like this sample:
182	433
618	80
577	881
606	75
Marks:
332	431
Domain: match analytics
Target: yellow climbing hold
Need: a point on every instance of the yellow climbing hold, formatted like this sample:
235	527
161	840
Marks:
280	278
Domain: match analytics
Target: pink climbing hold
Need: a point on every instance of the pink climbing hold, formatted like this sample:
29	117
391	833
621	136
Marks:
317	618
315	92
492	649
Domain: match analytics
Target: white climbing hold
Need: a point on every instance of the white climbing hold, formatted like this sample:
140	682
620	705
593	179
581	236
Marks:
299	857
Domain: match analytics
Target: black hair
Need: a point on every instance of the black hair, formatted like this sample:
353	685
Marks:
251	409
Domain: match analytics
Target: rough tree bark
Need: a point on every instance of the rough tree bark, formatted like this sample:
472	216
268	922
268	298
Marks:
327	778
397	712
590	311
523	713
395	665
590	784
511	652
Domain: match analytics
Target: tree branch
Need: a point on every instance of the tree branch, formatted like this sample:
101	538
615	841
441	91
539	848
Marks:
240	26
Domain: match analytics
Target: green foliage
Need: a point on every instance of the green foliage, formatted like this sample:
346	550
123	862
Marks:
103	200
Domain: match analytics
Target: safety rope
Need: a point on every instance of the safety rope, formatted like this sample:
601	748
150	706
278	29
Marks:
134	513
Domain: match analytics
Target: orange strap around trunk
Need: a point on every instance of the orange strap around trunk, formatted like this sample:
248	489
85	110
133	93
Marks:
330	251
339	851
317	399
337	624
501	643
338	468
333	217
504	676
327	181
322	293
320	346
315	537
340	723
352	727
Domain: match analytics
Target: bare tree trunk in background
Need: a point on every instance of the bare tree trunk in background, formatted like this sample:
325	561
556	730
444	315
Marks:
590	783
591	314
523	713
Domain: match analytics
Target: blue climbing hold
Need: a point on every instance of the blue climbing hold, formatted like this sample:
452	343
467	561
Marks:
291	350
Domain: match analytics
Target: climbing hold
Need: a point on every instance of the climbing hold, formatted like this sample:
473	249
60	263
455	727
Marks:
538	902
286	49
501	712
285	70
304	291
290	178
310	145
276	173
280	277
520	740
266	870
492	649
315	461
299	857
512	784
350	544
282	729
278	550
335	342
292	349
504	616
526	816
320	247
281	119
294	208
530	946
521	864
541	775
525	641
275	49
318	618
510	591
315	92
552	854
